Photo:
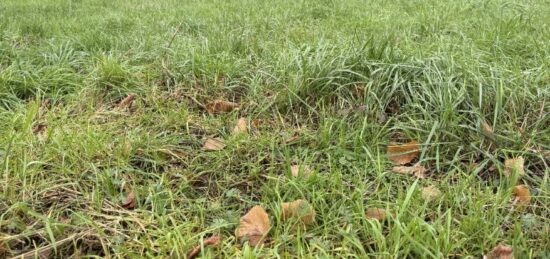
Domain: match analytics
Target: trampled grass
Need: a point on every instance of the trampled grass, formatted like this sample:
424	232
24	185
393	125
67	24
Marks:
345	78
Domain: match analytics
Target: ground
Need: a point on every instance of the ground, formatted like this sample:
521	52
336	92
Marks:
323	85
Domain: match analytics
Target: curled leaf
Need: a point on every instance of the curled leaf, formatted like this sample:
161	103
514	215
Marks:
213	144
299	209
500	252
129	202
430	193
211	241
253	226
376	213
514	165
220	106
417	170
522	195
404	153
297	170
127	101
241	127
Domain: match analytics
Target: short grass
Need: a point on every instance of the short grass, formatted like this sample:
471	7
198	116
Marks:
428	70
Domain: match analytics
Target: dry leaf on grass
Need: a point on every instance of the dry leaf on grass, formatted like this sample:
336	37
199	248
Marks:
39	128
220	106
211	241
430	193
376	213
514	165
127	101
522	195
253	226
487	131
404	153
129	202
299	209
241	127
297	170
213	144
417	170
500	252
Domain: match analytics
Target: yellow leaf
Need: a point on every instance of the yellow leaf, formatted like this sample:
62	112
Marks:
417	170
297	170
514	165
213	144
430	193
522	194
220	106
129	202
404	153
299	209
211	241
375	213
253	226
241	127
500	252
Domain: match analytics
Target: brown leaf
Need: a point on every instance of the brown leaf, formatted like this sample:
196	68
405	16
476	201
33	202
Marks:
39	128
220	106
211	241
522	194
127	101
417	170
487	131
376	213
129	202
299	209
430	193
500	252
404	153
241	127
297	170
213	144
253	226
514	165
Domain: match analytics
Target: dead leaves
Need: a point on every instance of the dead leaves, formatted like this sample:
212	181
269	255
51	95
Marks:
299	209
297	170
514	165
130	201
220	106
500	252
404	153
253	226
376	214
211	241
241	127
416	170
213	144
127	101
522	195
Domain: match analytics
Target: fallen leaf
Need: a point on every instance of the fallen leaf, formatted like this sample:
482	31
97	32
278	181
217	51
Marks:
514	165
522	194
297	170
430	193
220	106
487	131
211	241
241	127
299	209
253	226
376	213
213	144
417	170
39	128
129	202
500	252
404	153
127	101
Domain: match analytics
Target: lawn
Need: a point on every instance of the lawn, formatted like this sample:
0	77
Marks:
145	128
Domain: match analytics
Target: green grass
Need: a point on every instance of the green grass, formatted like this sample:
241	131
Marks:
431	71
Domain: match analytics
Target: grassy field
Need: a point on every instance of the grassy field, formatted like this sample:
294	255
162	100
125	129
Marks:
342	79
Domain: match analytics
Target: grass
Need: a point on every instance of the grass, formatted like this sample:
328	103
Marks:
425	70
